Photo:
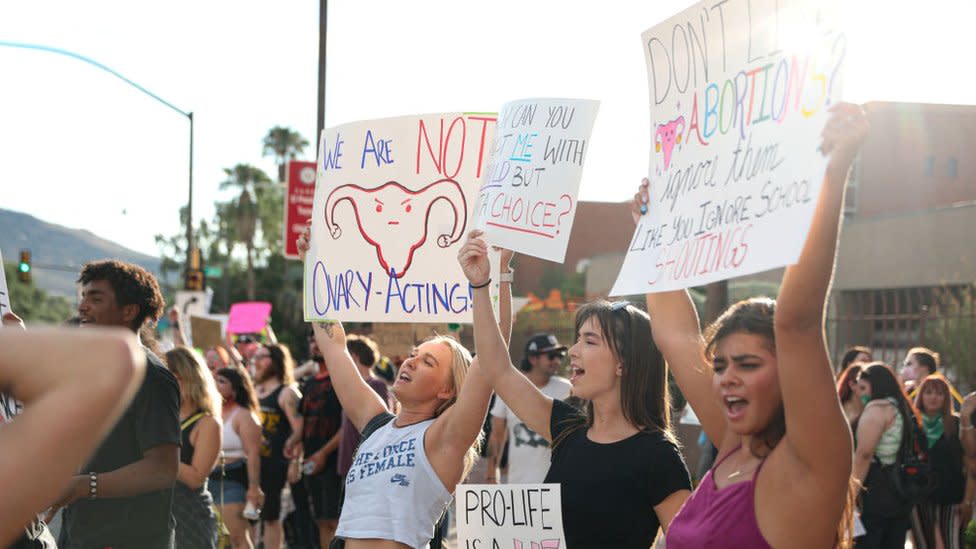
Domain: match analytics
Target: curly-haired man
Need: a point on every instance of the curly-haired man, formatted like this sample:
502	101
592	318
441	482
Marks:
123	496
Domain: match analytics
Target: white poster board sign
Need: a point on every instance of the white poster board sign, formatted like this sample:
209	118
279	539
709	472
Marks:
510	516
739	93
527	200
393	203
192	303
4	293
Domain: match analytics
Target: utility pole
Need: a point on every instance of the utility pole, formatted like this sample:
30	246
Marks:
323	28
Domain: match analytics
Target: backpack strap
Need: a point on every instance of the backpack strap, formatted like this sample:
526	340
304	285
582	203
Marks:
374	424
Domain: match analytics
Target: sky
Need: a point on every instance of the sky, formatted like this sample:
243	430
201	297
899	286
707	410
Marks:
81	148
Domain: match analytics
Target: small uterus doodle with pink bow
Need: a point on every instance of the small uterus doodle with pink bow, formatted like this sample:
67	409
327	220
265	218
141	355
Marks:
667	136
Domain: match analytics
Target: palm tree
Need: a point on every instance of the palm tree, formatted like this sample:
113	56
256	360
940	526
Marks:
248	178
284	144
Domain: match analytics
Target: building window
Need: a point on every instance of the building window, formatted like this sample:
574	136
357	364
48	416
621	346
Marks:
930	165
952	167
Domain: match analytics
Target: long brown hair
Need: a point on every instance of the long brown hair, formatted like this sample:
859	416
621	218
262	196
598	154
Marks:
755	316
197	381
282	365
936	380
884	384
243	389
844	380
644	397
751	316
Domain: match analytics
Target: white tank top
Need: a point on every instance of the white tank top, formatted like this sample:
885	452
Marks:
392	491
232	446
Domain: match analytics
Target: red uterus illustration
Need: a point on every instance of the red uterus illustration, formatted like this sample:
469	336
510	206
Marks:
666	136
396	220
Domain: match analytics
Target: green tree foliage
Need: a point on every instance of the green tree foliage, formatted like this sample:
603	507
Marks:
950	329
284	144
254	217
251	181
33	304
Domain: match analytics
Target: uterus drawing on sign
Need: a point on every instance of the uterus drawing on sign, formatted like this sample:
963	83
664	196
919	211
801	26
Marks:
666	136
396	220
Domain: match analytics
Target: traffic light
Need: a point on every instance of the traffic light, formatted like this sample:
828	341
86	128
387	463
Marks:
194	280
24	267
194	272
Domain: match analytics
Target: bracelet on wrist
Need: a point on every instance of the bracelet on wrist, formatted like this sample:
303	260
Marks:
92	485
479	286
966	427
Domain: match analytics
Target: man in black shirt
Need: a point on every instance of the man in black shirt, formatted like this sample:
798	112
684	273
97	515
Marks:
123	496
321	419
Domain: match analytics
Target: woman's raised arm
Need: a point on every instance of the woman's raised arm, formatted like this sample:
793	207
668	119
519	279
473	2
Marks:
524	399
815	422
677	333
358	400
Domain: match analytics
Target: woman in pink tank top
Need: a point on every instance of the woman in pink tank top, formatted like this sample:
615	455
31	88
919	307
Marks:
755	374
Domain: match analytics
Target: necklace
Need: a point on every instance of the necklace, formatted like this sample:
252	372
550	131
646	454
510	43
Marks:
737	472
734	474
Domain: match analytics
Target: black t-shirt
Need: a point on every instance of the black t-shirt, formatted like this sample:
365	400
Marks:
145	520
275	429
609	490
323	416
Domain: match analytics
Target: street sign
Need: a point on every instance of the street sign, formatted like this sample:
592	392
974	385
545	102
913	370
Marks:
298	203
213	272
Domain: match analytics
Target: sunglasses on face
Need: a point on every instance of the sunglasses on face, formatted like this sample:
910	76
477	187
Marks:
555	355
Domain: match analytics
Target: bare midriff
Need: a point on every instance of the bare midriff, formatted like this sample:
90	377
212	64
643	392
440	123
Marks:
374	544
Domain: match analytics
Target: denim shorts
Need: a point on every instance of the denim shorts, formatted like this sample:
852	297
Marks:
233	490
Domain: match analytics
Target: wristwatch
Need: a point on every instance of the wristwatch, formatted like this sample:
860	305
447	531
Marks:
507	277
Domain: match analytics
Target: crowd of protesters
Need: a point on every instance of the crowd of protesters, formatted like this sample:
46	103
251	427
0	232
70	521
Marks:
235	446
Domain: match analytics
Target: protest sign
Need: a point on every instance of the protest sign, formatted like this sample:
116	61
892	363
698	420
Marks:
192	302
510	516
206	332
527	200
394	200
4	294
248	317
298	203
739	93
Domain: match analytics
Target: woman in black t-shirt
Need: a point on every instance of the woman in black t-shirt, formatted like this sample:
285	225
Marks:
617	463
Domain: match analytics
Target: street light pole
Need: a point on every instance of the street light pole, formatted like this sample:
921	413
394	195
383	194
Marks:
188	115
189	201
323	33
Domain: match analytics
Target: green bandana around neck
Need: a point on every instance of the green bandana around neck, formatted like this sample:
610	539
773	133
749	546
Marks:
933	428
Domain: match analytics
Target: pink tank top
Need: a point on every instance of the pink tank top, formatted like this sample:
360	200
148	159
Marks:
718	518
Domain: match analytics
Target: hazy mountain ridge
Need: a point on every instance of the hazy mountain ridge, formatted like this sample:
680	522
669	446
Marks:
57	252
